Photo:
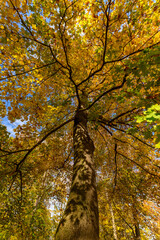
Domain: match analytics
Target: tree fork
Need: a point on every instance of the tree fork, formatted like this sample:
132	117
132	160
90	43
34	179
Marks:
81	220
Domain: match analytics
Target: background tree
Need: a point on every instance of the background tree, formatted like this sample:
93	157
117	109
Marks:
77	73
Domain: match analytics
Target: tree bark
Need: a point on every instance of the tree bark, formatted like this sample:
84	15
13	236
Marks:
80	220
113	221
137	232
136	223
112	217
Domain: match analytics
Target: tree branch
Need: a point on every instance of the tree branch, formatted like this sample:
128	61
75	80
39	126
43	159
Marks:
63	40
108	91
144	169
22	73
9	153
21	186
120	115
39	142
66	160
116	60
114	127
106	33
34	39
123	218
115	159
106	129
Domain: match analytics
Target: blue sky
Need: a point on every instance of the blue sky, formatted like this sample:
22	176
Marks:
10	126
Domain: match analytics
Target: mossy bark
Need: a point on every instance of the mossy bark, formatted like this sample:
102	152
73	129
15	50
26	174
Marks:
80	220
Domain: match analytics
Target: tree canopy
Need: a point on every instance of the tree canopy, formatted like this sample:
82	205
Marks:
63	57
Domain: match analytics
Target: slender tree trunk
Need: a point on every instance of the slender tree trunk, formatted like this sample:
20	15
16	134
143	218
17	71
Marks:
137	232
112	217
80	220
136	223
113	221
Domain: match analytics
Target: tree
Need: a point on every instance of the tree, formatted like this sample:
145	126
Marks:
77	73
22	216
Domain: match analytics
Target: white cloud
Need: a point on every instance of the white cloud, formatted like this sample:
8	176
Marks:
18	122
10	126
10	130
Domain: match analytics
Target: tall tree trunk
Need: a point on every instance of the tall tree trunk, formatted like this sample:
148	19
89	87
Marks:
137	232
80	220
136	222
112	217
113	221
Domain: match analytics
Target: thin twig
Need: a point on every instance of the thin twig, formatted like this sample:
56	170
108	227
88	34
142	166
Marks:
123	218
115	160
106	129
31	70
39	142
114	127
122	114
144	169
108	91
